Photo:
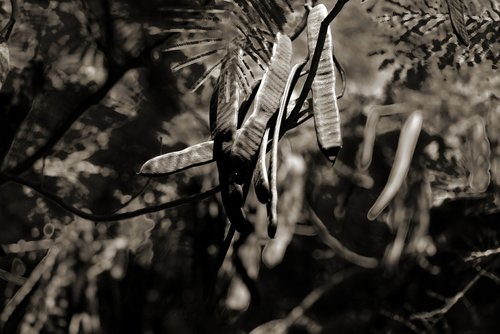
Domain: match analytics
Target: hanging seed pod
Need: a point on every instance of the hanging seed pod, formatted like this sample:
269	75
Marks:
249	138
4	61
260	178
326	111
177	161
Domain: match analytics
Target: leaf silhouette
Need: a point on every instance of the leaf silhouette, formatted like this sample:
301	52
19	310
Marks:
457	9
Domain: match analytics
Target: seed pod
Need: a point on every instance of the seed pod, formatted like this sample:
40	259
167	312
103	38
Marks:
223	119
478	151
326	111
366	150
404	154
174	162
4	61
273	205
249	138
260	179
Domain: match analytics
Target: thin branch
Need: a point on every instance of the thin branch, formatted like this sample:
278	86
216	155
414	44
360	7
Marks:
45	264
337	247
109	217
298	312
481	254
437	314
399	319
133	197
115	75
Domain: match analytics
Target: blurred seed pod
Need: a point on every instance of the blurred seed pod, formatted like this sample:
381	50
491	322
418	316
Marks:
4	61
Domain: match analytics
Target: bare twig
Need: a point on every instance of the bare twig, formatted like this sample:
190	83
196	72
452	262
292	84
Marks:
481	254
437	314
282	326
110	217
45	264
335	245
399	319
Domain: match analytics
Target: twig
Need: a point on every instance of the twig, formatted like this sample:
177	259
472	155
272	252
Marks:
401	320
480	254
115	75
317	293
297	313
45	264
110	217
437	314
335	245
139	193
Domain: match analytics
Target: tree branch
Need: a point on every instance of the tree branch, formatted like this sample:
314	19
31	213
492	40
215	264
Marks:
115	74
437	314
337	247
109	217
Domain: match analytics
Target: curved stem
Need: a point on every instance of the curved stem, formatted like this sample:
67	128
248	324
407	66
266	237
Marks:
110	217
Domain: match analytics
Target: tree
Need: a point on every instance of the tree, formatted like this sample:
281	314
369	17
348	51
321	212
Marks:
122	121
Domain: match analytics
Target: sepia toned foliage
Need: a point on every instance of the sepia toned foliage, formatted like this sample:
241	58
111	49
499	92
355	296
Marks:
132	133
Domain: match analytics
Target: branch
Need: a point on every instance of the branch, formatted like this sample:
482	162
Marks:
115	74
480	254
297	313
437	314
337	247
5	33
108	217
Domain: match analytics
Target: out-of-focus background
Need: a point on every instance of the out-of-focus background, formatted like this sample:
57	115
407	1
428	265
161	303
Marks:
91	95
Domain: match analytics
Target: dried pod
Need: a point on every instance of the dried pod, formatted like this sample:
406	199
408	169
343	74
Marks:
326	111
273	166
177	161
249	138
260	178
4	61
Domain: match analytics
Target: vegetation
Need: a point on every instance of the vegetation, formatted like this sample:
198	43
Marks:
252	166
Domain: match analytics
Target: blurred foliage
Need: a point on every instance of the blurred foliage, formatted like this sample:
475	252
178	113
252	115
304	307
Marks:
91	95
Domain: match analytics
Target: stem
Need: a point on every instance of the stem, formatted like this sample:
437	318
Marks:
325	25
109	217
